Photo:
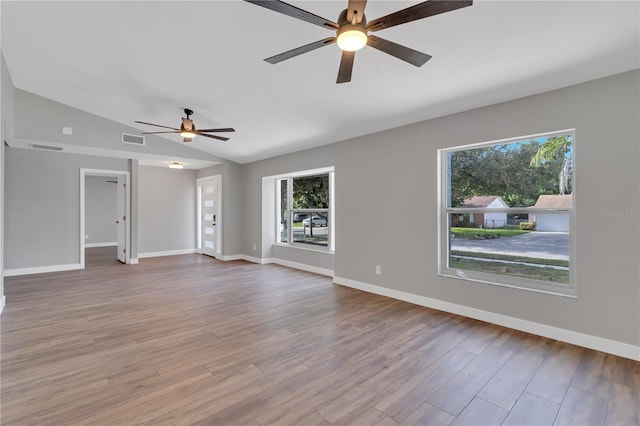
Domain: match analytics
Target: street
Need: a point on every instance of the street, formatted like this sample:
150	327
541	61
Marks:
544	245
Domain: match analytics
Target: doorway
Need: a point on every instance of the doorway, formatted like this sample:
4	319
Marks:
122	212
209	216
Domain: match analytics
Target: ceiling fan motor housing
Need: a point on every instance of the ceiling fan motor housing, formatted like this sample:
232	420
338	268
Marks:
351	35
343	20
187	125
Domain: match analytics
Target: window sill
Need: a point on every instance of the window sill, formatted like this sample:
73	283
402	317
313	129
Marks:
305	247
569	292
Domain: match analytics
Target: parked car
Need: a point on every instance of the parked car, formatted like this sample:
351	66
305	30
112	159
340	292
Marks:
315	221
299	217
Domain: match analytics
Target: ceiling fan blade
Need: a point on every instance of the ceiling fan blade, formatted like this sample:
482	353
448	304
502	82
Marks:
300	50
228	129
346	66
157	125
220	138
399	51
157	133
356	7
295	12
418	11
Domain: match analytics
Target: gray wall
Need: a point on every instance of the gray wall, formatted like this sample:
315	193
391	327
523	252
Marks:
233	204
100	209
6	130
167	209
42	206
392	175
134	166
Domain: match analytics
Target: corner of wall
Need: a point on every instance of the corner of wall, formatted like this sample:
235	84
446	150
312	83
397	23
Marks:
6	130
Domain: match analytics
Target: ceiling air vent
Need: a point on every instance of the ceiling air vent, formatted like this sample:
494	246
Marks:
132	139
47	147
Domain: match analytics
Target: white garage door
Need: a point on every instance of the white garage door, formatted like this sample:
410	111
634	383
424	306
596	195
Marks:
557	222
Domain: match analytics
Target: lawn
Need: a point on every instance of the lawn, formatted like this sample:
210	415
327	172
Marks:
523	271
495	256
481	233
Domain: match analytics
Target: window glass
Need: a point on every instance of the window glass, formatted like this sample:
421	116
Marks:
283	223
507	211
304	210
311	192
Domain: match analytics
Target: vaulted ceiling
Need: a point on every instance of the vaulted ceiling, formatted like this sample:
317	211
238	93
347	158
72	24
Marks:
147	60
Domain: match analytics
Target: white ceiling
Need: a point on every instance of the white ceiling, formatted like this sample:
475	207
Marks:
126	61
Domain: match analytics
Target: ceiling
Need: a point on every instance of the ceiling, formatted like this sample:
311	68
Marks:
128	60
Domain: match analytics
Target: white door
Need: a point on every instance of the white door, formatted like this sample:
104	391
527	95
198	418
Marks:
210	212
121	219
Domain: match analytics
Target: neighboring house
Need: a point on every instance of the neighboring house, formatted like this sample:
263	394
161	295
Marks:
552	222
482	220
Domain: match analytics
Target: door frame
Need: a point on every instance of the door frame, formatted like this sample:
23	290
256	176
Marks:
127	208
219	218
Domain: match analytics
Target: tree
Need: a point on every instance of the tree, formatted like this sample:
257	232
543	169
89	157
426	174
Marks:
551	150
503	170
311	192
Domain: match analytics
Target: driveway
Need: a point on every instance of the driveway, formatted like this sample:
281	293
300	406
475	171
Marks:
544	245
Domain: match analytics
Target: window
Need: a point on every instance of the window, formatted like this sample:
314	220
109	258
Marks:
506	212
305	216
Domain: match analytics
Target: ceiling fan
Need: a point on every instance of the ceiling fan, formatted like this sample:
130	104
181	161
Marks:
352	30
188	130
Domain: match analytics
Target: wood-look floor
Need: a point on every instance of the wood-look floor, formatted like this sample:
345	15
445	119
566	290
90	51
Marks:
192	340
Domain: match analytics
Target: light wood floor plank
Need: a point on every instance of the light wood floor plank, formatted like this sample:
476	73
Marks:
454	396
531	410
507	385
553	378
581	408
480	412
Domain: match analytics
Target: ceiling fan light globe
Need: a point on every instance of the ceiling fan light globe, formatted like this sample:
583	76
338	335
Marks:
189	135
352	38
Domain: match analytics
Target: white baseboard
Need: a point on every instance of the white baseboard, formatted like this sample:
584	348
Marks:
41	269
167	253
300	266
2	303
253	259
592	342
133	261
282	262
92	245
237	257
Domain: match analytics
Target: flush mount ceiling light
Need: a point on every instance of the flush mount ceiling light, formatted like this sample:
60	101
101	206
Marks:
352	30
176	165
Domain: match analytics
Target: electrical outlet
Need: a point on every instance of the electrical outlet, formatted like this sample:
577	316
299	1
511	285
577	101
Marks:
378	270
255	247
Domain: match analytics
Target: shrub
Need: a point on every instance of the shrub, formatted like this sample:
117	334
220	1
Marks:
527	226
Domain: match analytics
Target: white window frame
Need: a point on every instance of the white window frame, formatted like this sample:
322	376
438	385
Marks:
444	214
330	210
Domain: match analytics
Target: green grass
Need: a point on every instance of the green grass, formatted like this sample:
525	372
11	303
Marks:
536	260
473	232
523	271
